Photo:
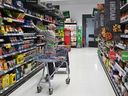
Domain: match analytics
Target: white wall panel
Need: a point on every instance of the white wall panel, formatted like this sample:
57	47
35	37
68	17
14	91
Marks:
76	7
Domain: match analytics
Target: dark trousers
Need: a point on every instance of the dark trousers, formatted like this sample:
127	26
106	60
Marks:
51	68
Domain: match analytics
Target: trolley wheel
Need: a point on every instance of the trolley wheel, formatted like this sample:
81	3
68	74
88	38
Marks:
39	89
68	81
50	91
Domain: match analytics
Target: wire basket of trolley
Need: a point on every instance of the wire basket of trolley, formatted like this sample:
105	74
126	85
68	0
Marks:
52	55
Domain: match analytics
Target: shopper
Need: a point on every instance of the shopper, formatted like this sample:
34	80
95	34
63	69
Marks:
50	44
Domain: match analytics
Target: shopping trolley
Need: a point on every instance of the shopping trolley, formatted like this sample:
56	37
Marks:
60	56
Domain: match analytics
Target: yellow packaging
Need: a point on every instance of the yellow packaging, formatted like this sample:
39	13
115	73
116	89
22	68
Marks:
5	81
20	59
12	78
2	30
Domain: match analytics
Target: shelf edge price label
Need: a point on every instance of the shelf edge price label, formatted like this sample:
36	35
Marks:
124	55
112	55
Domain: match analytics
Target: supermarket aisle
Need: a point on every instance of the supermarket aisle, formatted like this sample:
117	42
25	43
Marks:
87	78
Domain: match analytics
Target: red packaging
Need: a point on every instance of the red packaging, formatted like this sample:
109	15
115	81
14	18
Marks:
67	36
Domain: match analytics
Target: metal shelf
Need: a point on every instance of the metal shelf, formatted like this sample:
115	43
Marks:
43	20
47	21
16	66
124	7
124	36
41	44
25	50
17	43
14	53
6	91
12	8
121	46
12	34
32	16
43	8
114	85
117	66
40	35
7	55
12	20
27	26
29	38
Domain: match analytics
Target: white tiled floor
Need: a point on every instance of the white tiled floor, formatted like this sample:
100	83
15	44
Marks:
87	78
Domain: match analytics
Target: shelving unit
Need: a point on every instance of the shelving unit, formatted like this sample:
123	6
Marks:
124	7
115	87
112	52
20	43
9	89
6	71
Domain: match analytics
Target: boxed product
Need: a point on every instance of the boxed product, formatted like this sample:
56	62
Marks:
2	30
18	74
20	58
28	68
18	4
3	64
22	70
1	2
19	16
7	2
5	81
12	78
11	63
0	82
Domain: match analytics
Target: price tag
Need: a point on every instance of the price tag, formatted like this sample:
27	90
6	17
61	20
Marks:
10	20
124	55
112	55
8	45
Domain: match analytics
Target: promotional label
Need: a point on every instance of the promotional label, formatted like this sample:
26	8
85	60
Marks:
112	55
124	55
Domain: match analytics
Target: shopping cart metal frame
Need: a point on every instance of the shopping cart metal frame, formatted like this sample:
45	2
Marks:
47	78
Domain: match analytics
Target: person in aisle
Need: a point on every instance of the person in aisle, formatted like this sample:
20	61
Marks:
51	47
50	44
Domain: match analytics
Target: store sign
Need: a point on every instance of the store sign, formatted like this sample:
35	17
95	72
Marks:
124	55
112	55
112	10
112	13
102	20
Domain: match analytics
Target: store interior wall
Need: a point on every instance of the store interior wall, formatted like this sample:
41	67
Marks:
77	10
77	7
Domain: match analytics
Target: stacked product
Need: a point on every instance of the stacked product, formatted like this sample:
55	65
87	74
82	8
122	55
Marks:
114	55
20	43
